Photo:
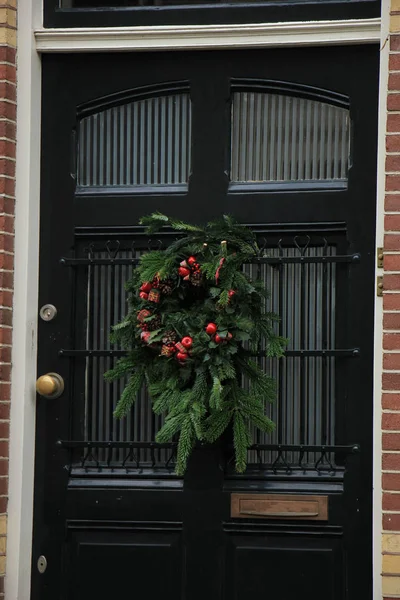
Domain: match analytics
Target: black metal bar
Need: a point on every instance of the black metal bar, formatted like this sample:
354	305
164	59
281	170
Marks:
102	444
349	448
303	363
72	262
347	352
262	260
325	391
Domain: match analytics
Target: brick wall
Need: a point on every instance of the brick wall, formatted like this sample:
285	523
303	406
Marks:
391	325
8	19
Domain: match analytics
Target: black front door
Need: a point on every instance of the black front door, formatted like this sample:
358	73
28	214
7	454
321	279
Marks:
284	140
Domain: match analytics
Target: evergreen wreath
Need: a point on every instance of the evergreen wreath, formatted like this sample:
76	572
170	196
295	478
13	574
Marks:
195	320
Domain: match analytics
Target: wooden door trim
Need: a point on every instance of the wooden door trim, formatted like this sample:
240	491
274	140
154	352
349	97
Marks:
192	37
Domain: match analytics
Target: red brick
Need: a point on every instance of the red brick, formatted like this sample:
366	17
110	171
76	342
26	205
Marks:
5	354
391	282
391	522
6	261
7	90
6	221
389	401
8	110
3	504
394	62
4	448
9	72
7	167
392	202
391	441
390	320
391	420
393	160
8	129
390	381
7	243
392	222
7	186
391	481
7	54
394	81
4	406
391	462
393	122
6	281
392	143
393	102
391	502
392	185
392	242
5	317
5	336
391	302
391	362
391	341
7	205
6	297
7	148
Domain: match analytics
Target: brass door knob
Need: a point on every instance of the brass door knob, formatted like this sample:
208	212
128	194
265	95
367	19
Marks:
50	385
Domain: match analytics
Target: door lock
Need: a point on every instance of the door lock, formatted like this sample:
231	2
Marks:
50	385
48	312
42	564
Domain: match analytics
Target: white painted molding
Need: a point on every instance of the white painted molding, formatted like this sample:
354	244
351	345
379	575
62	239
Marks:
23	396
259	35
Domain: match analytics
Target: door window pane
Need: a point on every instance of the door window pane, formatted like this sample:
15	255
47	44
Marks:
147	142
277	138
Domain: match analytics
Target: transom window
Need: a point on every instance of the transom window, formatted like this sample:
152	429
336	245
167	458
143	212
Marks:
122	13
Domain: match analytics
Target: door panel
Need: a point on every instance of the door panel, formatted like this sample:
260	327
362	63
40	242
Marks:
191	134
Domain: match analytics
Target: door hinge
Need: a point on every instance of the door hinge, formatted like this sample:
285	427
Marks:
379	285
379	258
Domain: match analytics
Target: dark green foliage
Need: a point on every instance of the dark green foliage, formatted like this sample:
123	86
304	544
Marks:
202	396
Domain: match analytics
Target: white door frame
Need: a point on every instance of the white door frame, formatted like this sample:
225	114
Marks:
32	40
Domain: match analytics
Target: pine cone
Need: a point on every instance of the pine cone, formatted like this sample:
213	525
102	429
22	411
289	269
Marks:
166	287
154	323
196	278
170	337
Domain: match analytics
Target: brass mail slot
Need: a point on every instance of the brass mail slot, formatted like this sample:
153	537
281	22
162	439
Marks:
274	506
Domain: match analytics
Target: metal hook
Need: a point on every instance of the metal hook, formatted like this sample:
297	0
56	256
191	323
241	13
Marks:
112	252
297	239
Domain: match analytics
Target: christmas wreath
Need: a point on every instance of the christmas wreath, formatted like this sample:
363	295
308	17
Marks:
195	321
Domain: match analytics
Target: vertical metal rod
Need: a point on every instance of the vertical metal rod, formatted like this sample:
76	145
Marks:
325	396
303	364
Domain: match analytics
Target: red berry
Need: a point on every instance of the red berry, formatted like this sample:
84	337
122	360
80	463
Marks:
143	295
218	339
187	341
231	293
181	356
146	287
183	271
211	328
229	336
191	261
145	335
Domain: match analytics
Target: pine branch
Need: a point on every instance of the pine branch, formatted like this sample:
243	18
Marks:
129	394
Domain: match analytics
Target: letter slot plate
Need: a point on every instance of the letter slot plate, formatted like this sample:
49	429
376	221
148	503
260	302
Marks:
279	506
